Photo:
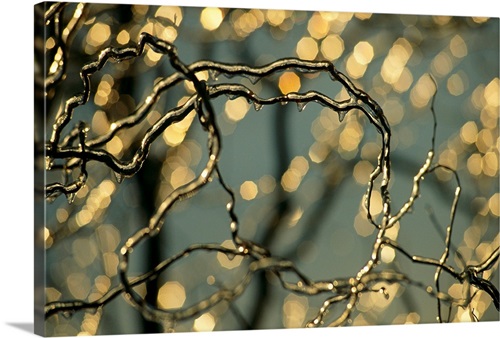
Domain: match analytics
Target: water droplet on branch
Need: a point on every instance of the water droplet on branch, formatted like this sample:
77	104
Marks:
49	162
67	314
70	197
384	292
232	96
253	78
119	177
257	106
214	74
301	106
51	198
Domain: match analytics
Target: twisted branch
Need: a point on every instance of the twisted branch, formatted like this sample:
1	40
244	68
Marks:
75	151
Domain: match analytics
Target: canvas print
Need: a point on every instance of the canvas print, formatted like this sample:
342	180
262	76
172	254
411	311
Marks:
213	169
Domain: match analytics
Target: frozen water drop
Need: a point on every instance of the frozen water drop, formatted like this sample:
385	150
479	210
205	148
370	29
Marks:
342	115
301	106
119	177
70	197
49	162
51	198
214	74
257	106
67	314
254	79
383	291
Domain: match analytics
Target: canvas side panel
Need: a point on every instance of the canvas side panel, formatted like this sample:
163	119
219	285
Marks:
39	163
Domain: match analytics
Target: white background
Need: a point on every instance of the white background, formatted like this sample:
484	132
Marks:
16	158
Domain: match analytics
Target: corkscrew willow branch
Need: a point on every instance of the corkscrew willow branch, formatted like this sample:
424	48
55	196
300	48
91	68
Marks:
76	150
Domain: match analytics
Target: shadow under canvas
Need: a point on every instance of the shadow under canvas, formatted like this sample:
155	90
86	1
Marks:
28	327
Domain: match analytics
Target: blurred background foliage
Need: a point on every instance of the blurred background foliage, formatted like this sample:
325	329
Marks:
299	174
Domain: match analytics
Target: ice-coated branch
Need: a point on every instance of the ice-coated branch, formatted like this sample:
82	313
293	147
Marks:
70	148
